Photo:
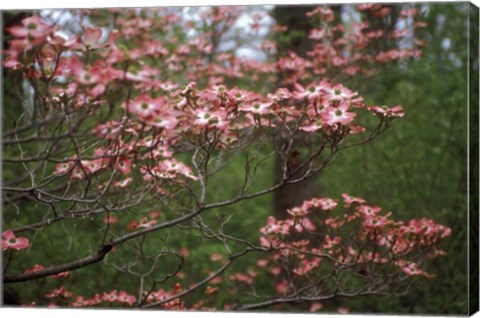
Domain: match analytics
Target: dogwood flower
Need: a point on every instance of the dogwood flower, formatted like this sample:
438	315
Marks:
10	241
338	115
144	106
396	111
32	27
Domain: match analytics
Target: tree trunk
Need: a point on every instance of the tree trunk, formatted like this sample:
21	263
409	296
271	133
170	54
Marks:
296	39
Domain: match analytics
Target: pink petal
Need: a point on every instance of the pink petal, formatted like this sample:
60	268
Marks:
21	243
92	35
8	234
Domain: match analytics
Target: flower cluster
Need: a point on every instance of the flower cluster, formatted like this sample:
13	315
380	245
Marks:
215	115
68	298
162	116
375	239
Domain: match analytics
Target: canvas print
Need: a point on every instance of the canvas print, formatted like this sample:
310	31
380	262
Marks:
300	159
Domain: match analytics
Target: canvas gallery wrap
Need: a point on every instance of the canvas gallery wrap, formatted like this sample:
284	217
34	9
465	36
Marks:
269	158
